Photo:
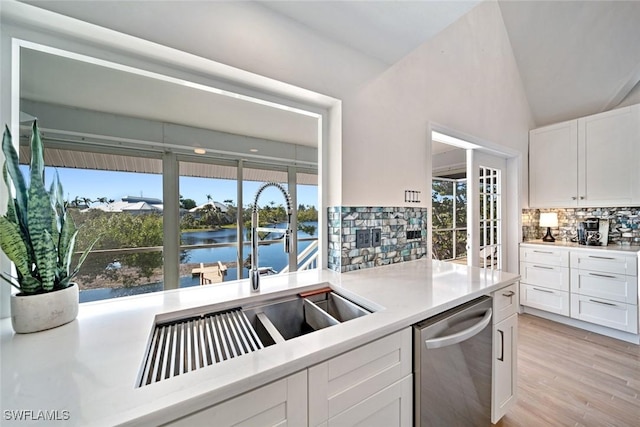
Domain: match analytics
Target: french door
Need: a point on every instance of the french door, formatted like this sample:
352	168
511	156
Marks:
486	228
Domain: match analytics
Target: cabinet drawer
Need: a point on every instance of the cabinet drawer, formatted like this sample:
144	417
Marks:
616	315
345	380
605	262
505	302
390	407
545	299
615	287
545	275
547	256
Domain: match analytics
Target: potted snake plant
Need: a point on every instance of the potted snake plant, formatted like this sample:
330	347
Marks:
38	235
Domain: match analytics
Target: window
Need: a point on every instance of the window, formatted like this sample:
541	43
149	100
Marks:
118	196
449	201
490	218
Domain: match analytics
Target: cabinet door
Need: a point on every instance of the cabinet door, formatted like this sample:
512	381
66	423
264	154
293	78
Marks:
553	165
605	262
281	403
505	375
505	303
545	276
609	154
545	299
348	379
614	287
390	407
539	254
616	315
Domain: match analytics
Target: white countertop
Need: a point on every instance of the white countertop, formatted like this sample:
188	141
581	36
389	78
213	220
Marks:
629	250
89	367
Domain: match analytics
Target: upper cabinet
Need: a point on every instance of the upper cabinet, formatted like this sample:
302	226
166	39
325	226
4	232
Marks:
592	161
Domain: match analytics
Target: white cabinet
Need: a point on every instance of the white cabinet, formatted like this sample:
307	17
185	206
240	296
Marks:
391	406
347	386
604	289
608	158
553	165
598	286
545	279
504	362
616	315
281	403
591	161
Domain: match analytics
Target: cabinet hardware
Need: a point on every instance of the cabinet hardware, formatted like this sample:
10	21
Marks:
602	275
543	267
508	294
501	358
543	290
603	303
600	257
581	197
574	198
543	252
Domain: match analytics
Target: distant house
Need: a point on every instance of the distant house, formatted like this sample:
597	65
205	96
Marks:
133	205
217	205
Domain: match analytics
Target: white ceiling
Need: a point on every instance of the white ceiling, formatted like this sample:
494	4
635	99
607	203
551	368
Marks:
575	57
385	30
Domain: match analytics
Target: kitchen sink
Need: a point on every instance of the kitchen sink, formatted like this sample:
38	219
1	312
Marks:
181	345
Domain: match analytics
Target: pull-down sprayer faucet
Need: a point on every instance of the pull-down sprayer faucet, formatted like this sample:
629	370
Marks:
254	274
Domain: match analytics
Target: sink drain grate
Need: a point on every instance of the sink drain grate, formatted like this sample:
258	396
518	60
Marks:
188	344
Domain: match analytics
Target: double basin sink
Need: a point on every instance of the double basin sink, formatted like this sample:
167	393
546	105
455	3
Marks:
182	345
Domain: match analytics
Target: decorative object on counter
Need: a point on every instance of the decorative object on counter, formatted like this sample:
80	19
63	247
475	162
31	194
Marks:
549	219
38	236
618	218
402	236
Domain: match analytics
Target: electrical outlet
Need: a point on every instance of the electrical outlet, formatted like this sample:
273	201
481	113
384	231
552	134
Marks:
376	237
413	234
363	239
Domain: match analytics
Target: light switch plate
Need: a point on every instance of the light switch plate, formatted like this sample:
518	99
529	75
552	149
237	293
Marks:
363	238
376	237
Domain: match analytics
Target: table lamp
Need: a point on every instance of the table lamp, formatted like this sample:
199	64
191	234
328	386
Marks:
548	219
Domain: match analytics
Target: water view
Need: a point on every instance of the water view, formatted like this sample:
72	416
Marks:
271	255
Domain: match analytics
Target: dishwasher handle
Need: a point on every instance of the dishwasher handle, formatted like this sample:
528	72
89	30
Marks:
458	337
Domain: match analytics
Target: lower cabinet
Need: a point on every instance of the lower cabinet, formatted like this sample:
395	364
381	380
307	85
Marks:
505	373
504	365
545	299
281	403
391	406
350	386
613	314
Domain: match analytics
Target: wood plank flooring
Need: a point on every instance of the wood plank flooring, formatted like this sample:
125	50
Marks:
571	377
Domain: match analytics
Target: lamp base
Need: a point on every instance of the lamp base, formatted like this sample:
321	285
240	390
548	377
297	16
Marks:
548	237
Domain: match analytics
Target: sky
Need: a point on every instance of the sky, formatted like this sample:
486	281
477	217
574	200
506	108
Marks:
116	185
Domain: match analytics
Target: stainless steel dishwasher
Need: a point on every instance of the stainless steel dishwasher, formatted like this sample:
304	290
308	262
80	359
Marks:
452	367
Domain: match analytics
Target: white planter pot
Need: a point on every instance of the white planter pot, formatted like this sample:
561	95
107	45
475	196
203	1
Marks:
35	313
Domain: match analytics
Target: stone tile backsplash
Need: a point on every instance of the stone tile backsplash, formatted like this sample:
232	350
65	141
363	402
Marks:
627	217
395	246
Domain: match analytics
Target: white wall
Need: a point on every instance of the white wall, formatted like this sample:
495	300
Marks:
466	79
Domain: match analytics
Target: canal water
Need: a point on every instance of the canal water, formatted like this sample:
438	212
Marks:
271	255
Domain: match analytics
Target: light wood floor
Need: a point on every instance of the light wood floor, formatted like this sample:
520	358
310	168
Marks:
571	377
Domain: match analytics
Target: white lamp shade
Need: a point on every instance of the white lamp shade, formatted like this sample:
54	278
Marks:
549	219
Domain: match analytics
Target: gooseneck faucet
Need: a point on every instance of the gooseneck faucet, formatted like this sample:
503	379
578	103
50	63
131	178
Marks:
254	273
